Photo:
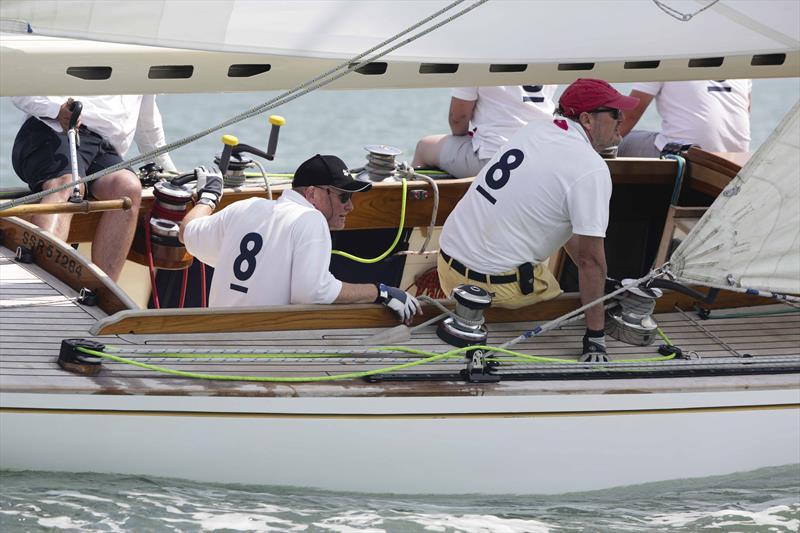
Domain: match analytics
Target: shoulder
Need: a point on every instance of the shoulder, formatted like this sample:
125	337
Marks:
466	93
250	203
652	88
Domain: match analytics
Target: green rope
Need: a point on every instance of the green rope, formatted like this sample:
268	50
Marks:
222	377
428	357
396	238
290	175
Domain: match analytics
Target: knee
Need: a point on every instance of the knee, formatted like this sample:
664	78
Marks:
426	151
60	181
127	184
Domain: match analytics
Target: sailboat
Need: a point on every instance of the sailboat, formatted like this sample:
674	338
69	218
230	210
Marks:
301	395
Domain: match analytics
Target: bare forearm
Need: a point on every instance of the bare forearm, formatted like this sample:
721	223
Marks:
198	211
590	257
357	293
592	278
460	115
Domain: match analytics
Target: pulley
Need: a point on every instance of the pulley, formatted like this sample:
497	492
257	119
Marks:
465	327
631	321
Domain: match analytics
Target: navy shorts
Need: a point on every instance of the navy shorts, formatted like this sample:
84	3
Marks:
41	154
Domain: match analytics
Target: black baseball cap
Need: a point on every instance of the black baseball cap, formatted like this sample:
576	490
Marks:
328	170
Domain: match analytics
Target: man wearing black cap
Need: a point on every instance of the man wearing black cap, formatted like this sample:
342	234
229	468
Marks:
546	188
268	252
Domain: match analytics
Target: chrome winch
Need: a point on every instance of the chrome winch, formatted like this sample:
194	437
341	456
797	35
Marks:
630	320
172	199
465	326
381	164
234	176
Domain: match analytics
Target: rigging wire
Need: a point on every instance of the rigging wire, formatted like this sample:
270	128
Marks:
679	15
326	78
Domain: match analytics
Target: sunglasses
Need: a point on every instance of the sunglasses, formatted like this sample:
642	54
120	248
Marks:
615	113
344	197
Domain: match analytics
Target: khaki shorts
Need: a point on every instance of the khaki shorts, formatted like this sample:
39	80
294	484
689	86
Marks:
458	158
507	295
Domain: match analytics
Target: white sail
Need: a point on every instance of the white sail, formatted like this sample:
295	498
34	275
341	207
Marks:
750	236
508	31
498	42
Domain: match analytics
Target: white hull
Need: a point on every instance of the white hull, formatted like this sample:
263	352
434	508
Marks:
526	444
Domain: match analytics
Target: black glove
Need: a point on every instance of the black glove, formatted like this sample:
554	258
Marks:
209	186
594	347
399	301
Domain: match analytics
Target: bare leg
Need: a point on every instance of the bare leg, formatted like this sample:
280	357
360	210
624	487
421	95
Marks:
114	234
57	224
427	152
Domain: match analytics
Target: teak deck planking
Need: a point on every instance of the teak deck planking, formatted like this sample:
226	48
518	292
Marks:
37	312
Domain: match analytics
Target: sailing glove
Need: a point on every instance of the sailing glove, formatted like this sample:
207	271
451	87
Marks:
594	347
209	186
399	301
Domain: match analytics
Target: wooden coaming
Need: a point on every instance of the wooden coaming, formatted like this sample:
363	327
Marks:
380	207
61	260
348	316
709	172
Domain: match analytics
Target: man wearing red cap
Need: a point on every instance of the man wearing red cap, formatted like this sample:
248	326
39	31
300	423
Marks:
268	252
546	188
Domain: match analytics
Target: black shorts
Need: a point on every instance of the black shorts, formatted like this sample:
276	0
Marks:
41	154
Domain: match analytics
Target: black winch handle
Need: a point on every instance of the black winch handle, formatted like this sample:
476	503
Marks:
183	179
247	149
76	109
224	160
678	287
272	145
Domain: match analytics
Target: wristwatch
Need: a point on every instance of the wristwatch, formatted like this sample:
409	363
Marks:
207	201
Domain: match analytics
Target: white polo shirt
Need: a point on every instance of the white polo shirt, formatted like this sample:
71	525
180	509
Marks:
546	184
266	252
501	111
712	114
120	119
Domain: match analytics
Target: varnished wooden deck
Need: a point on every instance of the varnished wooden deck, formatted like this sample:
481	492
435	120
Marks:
37	312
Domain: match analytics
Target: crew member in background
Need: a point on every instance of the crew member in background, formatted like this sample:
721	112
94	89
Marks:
482	119
268	252
714	115
546	189
108	126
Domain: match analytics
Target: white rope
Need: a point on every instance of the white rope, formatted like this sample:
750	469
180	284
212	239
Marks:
405	171
320	81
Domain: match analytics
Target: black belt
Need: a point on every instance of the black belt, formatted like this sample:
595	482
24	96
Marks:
477	276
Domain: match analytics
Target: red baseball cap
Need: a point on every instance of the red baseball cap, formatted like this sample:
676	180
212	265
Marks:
587	94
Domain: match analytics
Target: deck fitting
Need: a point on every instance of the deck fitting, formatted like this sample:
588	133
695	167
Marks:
24	255
73	360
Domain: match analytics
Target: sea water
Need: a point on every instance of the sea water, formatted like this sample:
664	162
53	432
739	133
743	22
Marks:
765	500
342	123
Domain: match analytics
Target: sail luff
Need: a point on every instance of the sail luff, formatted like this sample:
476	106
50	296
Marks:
750	236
